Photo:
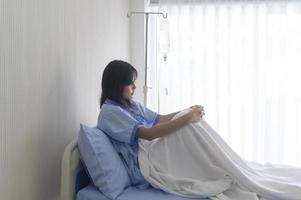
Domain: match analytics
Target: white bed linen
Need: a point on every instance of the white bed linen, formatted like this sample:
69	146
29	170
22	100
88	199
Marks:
194	161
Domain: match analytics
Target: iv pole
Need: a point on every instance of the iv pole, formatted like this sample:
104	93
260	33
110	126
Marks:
164	15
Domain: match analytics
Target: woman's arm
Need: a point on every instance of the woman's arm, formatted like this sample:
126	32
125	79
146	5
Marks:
166	118
168	127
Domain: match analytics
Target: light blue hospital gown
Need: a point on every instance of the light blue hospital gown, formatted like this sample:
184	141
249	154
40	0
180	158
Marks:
121	126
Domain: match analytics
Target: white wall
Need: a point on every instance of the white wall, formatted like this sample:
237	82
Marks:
52	54
138	47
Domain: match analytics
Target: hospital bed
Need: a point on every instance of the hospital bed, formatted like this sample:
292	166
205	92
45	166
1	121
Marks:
76	184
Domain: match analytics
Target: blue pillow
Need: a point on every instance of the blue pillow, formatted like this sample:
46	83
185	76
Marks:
102	161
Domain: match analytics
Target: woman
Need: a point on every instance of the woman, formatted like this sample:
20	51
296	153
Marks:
179	152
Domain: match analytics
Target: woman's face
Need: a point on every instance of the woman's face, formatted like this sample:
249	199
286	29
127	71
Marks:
128	91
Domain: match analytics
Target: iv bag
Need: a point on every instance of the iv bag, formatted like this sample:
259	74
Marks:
164	43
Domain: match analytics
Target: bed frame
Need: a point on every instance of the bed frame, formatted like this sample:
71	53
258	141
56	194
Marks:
73	175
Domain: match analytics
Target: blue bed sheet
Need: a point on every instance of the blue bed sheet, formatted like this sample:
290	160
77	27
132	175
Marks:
92	193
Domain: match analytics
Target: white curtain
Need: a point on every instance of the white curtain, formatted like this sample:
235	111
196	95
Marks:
241	60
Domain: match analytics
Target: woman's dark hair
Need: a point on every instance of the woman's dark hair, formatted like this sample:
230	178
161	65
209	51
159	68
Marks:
115	77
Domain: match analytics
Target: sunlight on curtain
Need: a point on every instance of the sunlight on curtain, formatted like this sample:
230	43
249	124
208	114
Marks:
241	60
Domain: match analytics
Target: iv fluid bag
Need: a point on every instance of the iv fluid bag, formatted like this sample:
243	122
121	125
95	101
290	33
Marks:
164	43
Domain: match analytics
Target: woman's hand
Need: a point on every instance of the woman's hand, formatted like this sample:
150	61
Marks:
197	106
196	114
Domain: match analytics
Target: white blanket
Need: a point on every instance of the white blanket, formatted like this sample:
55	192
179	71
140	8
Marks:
195	162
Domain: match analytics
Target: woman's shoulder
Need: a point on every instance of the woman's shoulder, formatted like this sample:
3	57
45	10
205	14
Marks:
109	108
109	112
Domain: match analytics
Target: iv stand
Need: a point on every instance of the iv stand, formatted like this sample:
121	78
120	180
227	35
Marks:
164	15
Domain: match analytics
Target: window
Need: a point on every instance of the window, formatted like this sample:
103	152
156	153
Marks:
241	60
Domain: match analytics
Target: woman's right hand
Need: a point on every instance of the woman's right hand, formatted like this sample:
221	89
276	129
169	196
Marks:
196	114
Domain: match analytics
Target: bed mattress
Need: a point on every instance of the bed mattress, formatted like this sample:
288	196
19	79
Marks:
92	193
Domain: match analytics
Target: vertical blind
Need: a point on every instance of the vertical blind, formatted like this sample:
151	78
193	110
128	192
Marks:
241	60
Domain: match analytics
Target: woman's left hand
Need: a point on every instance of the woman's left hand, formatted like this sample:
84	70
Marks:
199	106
